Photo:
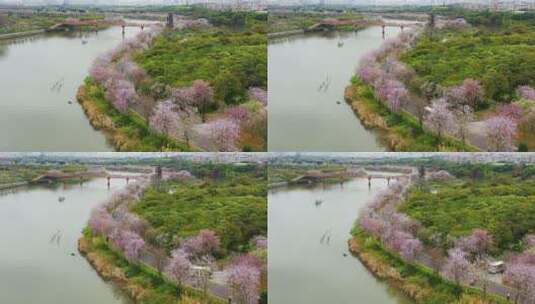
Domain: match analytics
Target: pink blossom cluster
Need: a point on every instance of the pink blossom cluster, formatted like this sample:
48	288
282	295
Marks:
457	23
520	274
469	93
243	277
258	94
386	74
526	92
501	132
511	110
224	134
238	114
179	267
529	240
165	119
457	267
396	231
439	118
185	23
118	74
477	243
113	221
205	243
260	242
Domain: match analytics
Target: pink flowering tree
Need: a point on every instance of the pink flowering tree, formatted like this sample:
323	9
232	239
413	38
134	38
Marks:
205	243
439	118
511	111
132	244
526	92
501	132
203	96
477	244
258	94
121	93
179	267
457	267
165	120
521	277
224	134
101	222
260	242
244	282
238	114
473	92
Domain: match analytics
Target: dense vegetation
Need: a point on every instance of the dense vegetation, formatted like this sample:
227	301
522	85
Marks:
18	22
234	207
499	203
498	50
231	61
25	173
284	21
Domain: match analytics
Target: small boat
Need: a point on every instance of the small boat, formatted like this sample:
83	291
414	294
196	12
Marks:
84	41
61	199
318	202
340	43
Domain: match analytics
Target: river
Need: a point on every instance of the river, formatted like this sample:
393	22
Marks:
303	117
39	75
39	235
303	268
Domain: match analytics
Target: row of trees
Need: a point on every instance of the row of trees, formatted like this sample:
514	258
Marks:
192	261
395	230
444	110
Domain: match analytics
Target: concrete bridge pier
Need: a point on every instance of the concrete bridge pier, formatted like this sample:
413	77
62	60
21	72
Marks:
108	178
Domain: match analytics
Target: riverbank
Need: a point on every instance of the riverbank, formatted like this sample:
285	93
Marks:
21	34
421	284
398	131
141	283
125	132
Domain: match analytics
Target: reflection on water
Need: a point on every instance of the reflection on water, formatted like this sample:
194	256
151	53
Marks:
39	77
309	260
39	260
307	77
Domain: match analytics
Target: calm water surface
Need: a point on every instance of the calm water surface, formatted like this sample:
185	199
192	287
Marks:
307	246
39	234
303	117
39	75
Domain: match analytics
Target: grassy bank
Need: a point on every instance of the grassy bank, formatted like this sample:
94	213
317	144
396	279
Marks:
13	22
141	283
398	131
421	284
290	21
126	132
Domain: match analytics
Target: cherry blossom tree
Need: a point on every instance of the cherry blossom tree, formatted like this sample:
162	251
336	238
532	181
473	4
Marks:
260	242
526	92
501	132
521	277
457	267
165	120
244	282
477	243
204	243
529	240
101	222
511	111
411	248
203	96
224	134
179	267
132	244
439	118
121	93
369	73
258	94
473	92
238	114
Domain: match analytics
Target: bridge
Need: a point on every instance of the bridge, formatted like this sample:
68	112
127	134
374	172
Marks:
331	24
